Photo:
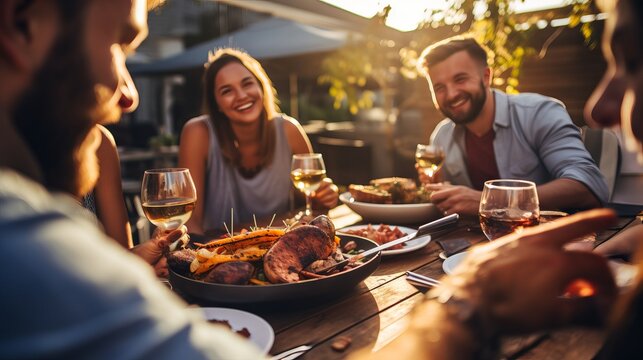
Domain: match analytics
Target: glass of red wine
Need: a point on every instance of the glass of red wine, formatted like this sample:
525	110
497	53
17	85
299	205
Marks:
507	206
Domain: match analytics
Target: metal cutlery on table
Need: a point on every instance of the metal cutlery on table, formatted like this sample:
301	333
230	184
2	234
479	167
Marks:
292	353
421	280
423	230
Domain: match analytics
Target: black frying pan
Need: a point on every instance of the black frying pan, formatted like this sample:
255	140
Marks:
330	286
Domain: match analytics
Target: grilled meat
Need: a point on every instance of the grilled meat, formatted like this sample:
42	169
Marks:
179	261
294	251
323	222
234	273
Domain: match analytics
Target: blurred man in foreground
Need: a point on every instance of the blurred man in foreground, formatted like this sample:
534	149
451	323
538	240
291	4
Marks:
514	284
492	135
69	292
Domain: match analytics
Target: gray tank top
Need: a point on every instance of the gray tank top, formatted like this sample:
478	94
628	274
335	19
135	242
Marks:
264	194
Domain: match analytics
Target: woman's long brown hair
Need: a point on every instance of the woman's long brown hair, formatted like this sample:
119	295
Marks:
220	121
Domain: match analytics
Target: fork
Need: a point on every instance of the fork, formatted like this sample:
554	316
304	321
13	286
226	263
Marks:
421	280
292	353
424	229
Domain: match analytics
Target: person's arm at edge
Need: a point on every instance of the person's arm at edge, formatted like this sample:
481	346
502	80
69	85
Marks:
499	297
108	192
297	138
566	194
577	183
193	154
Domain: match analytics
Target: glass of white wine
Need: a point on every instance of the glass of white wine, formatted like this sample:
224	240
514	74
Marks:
168	197
429	158
307	172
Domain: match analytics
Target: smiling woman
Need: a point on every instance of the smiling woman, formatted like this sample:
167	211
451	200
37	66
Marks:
239	152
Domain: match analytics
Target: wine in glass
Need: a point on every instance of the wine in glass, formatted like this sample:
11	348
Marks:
307	172
507	206
429	158
168	197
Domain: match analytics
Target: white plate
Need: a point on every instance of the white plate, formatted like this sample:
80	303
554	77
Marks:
261	333
392	213
624	273
411	245
453	261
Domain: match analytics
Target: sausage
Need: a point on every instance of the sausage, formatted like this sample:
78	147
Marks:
234	273
324	223
294	251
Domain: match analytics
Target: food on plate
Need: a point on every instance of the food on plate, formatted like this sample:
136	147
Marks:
370	194
391	190
243	332
180	260
264	256
295	251
324	223
381	235
233	272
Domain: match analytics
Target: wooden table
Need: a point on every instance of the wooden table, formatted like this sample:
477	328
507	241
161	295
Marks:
375	312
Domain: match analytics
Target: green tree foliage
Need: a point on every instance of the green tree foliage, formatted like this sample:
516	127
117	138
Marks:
491	22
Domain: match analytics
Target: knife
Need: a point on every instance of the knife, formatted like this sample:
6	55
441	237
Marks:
423	230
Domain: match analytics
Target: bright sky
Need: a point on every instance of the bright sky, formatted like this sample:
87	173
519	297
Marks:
406	14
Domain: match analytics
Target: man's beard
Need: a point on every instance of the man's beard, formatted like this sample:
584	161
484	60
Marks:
477	103
56	114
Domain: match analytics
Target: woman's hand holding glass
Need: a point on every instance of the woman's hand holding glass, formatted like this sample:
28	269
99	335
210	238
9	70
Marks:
327	194
153	251
168	197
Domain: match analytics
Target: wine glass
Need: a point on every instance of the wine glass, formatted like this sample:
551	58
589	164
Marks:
168	197
307	172
507	206
429	158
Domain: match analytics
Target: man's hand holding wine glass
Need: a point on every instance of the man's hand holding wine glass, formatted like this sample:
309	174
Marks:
451	199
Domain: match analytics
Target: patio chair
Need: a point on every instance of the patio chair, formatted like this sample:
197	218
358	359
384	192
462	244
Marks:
603	146
141	228
347	161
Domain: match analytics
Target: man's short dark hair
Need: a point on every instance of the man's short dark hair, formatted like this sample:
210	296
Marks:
440	51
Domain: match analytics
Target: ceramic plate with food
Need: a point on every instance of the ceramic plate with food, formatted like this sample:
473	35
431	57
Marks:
243	323
392	213
385	233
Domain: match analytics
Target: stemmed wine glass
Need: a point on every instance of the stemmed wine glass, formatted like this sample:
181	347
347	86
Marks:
507	206
429	158
168	197
307	172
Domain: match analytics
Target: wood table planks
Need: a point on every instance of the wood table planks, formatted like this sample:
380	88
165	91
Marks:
376	311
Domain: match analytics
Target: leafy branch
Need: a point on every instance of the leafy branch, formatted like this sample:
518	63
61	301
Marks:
491	22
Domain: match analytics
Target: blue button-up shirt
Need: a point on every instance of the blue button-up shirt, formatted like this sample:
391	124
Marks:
535	140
